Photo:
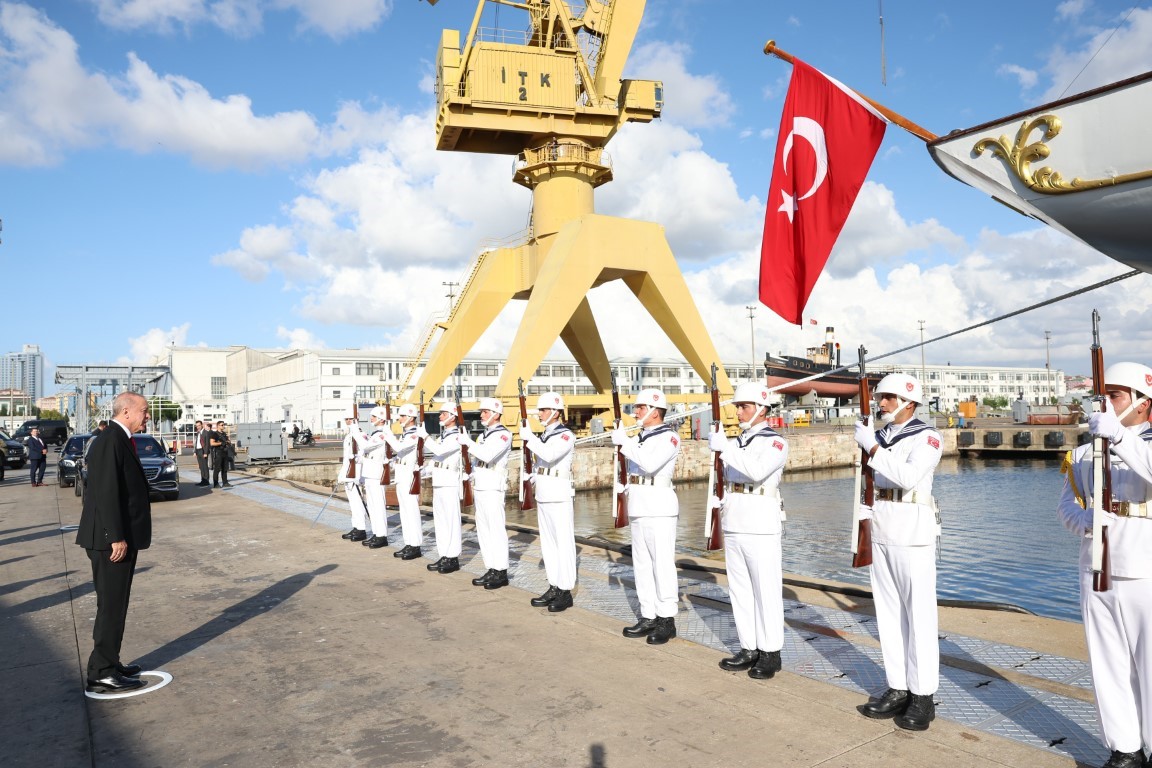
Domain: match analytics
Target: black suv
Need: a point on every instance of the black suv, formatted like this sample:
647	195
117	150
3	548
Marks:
69	457
12	453
162	473
52	431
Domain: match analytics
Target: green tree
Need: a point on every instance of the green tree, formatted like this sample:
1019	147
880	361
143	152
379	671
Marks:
49	413
162	409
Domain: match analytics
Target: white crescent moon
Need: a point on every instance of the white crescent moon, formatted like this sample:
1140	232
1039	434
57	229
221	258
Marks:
812	132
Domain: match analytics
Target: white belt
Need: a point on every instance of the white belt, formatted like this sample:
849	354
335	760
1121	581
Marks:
659	482
748	488
1130	508
445	465
898	495
552	472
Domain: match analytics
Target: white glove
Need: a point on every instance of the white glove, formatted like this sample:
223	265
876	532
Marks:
526	432
1106	425
718	441
619	436
715	501
360	481
617	488
421	432
865	436
865	512
467	441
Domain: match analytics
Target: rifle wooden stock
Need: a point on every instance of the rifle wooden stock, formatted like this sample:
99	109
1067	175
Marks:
389	454
620	465
715	530
1101	472
467	499
865	492
414	488
527	490
351	473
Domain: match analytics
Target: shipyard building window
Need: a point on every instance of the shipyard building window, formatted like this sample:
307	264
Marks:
368	369
486	391
564	390
485	369
335	394
219	386
335	371
671	373
671	390
562	370
464	369
544	370
585	390
364	394
578	371
649	372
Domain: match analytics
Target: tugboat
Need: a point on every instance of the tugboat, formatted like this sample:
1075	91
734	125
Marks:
783	370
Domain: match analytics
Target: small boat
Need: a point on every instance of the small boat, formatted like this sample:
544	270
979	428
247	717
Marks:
1096	184
787	374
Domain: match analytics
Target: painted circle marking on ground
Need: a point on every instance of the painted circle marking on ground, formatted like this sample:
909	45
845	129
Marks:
165	678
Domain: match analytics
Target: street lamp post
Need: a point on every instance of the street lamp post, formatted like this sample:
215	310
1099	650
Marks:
752	330
451	286
923	368
1048	366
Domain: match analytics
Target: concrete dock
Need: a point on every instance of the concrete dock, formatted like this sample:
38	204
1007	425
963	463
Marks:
288	646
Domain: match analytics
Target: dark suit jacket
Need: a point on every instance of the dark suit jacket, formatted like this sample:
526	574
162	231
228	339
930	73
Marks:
116	505
36	449
201	443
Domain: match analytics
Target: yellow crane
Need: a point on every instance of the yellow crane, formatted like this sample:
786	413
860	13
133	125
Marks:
550	93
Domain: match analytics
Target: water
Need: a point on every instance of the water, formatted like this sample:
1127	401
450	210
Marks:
1002	539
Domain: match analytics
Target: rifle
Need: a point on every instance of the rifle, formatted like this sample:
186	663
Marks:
713	530
527	491
389	454
865	492
351	473
1101	472
414	489
619	464
466	499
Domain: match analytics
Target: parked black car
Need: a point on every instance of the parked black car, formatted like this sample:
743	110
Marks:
15	455
162	473
69	454
52	431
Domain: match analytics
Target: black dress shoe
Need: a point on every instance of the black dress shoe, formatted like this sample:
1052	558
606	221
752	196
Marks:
922	711
546	598
402	551
412	554
892	703
480	581
563	600
350	534
741	661
114	683
450	565
226	485
640	628
766	666
499	579
357	534
436	565
665	631
129	670
1125	760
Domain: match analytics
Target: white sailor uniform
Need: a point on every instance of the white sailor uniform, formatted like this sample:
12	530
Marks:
489	486
372	459
1118	623
355	499
447	486
404	466
752	517
552	477
653	509
905	526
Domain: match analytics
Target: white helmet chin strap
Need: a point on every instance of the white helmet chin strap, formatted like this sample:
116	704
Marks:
748	424
1132	406
888	418
545	424
642	421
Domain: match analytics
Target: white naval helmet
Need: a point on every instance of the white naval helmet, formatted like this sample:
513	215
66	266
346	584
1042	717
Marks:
491	404
751	392
550	400
1136	377
350	415
653	398
902	386
448	407
379	412
408	410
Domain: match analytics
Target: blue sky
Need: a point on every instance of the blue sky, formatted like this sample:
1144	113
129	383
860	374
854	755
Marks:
263	172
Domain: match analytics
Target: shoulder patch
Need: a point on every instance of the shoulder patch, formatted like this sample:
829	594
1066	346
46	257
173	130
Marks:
932	441
676	441
778	445
504	438
566	436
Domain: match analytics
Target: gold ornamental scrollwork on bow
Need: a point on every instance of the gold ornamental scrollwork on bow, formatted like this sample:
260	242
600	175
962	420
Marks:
1020	155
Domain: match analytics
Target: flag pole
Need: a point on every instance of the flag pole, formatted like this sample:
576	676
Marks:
770	49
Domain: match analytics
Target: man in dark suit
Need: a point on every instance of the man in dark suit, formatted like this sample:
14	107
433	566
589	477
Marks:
115	525
201	445
37	457
218	441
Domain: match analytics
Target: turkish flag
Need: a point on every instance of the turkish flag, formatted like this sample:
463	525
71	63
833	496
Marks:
828	139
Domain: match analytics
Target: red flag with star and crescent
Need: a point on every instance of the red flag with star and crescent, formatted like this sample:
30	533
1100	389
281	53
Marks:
828	139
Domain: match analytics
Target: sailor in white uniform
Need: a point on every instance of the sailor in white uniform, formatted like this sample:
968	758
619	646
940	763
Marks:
652	513
552	478
372	461
489	457
1118	622
752	518
404	467
447	488
350	476
905	525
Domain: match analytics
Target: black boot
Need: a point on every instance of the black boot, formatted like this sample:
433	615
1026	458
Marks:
640	628
480	581
413	553
665	631
563	600
546	598
450	565
892	703
402	551
740	662
374	542
499	579
1125	760
922	711
766	666
357	535
436	565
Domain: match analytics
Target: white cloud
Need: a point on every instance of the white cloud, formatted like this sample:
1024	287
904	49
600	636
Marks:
694	101
1026	77
1071	9
335	18
153	344
299	338
338	18
1113	53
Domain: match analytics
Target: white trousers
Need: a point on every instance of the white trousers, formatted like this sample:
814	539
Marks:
411	526
377	509
654	563
356	504
446	519
557	542
1118	625
491	530
756	585
904	590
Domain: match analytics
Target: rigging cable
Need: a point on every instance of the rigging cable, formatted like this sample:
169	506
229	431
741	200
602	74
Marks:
1110	34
